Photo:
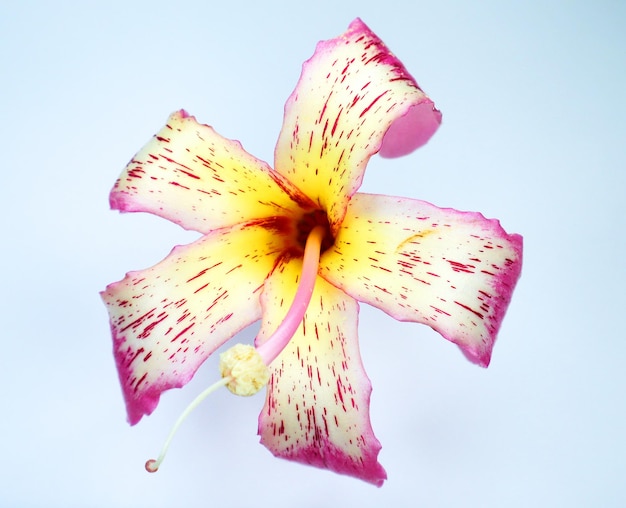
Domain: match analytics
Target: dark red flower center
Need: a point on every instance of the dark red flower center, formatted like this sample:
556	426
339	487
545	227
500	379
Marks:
308	222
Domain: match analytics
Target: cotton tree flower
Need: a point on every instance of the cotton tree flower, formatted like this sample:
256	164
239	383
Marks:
454	271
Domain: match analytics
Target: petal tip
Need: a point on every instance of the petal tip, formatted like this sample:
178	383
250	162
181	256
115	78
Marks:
480	358
119	201
503	285
325	455
411	131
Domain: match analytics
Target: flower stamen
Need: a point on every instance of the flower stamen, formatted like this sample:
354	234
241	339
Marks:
273	346
244	368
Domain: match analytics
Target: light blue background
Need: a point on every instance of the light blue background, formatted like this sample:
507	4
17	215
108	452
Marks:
534	104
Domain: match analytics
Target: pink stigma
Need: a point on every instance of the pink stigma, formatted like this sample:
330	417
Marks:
152	466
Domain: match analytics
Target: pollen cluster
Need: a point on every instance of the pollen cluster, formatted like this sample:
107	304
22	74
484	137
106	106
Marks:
244	365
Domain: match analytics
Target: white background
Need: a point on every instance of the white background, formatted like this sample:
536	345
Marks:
534	107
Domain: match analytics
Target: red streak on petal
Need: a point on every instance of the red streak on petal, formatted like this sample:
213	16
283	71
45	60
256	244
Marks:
134	357
182	332
440	311
148	329
141	380
460	267
201	288
478	314
138	321
324	107
202	272
332	131
372	103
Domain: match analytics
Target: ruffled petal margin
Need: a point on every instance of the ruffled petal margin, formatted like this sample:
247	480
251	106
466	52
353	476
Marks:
317	406
353	95
191	175
454	271
166	320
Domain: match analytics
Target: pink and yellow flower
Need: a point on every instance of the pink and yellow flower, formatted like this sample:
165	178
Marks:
454	271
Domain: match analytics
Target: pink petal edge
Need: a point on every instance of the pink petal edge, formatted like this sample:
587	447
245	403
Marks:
411	131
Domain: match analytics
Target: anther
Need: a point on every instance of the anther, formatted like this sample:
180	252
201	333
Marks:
243	365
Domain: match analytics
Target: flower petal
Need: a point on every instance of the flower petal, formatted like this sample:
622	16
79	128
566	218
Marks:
454	271
349	94
317	406
191	175
166	320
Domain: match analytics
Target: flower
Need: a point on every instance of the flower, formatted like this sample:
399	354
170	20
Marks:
454	271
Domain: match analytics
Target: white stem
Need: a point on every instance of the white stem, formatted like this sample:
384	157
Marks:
152	465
